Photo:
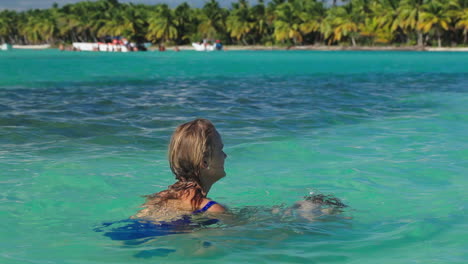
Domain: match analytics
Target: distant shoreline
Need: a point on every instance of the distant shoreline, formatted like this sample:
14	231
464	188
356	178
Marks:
330	48
270	48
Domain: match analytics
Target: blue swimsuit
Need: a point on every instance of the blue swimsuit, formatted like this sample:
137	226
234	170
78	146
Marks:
138	228
205	208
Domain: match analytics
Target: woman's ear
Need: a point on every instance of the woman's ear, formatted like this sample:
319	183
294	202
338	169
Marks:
204	164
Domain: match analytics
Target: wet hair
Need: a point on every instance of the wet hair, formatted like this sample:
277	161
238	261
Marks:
191	144
327	200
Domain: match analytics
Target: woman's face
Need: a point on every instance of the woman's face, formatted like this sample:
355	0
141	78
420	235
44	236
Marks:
214	169
216	162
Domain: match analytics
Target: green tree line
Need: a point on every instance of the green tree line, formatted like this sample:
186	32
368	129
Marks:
278	22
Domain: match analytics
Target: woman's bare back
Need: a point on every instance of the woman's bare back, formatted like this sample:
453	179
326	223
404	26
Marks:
172	209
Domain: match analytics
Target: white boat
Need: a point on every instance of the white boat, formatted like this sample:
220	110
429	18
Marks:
34	47
6	46
109	47
204	47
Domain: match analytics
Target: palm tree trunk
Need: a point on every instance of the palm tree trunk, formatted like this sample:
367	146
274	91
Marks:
245	42
439	41
353	41
420	38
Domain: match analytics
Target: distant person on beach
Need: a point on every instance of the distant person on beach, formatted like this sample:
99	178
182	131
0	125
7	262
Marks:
218	45
196	158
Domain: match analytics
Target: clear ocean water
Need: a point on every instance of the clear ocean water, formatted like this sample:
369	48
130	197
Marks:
84	135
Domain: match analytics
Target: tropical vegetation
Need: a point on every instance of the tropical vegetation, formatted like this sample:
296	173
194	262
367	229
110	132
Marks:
275	22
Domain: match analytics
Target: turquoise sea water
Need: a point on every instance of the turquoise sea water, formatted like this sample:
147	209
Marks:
84	135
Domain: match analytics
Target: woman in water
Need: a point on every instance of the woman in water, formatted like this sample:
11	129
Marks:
196	158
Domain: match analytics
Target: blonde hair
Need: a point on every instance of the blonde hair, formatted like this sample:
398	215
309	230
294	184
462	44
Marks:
191	144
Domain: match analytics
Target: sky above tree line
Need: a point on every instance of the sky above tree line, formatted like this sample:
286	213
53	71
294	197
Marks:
21	5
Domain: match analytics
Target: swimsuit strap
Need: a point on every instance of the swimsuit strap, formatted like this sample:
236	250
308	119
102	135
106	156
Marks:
205	208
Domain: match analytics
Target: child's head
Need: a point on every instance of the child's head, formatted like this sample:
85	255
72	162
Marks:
195	153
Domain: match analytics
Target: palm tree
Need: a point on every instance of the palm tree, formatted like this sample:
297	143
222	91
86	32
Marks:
409	17
212	18
40	27
344	23
372	29
48	25
105	17
462	23
312	15
261	25
240	21
185	22
162	25
287	21
111	27
76	22
29	31
287	24
436	16
386	13
380	23
7	22
134	22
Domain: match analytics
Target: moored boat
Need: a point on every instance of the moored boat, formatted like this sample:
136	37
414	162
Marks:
116	46
5	46
203	47
107	47
34	47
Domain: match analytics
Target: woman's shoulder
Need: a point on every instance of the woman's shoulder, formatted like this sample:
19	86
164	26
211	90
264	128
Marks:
210	206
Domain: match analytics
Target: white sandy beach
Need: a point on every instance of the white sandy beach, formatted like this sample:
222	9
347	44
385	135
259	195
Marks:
329	48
